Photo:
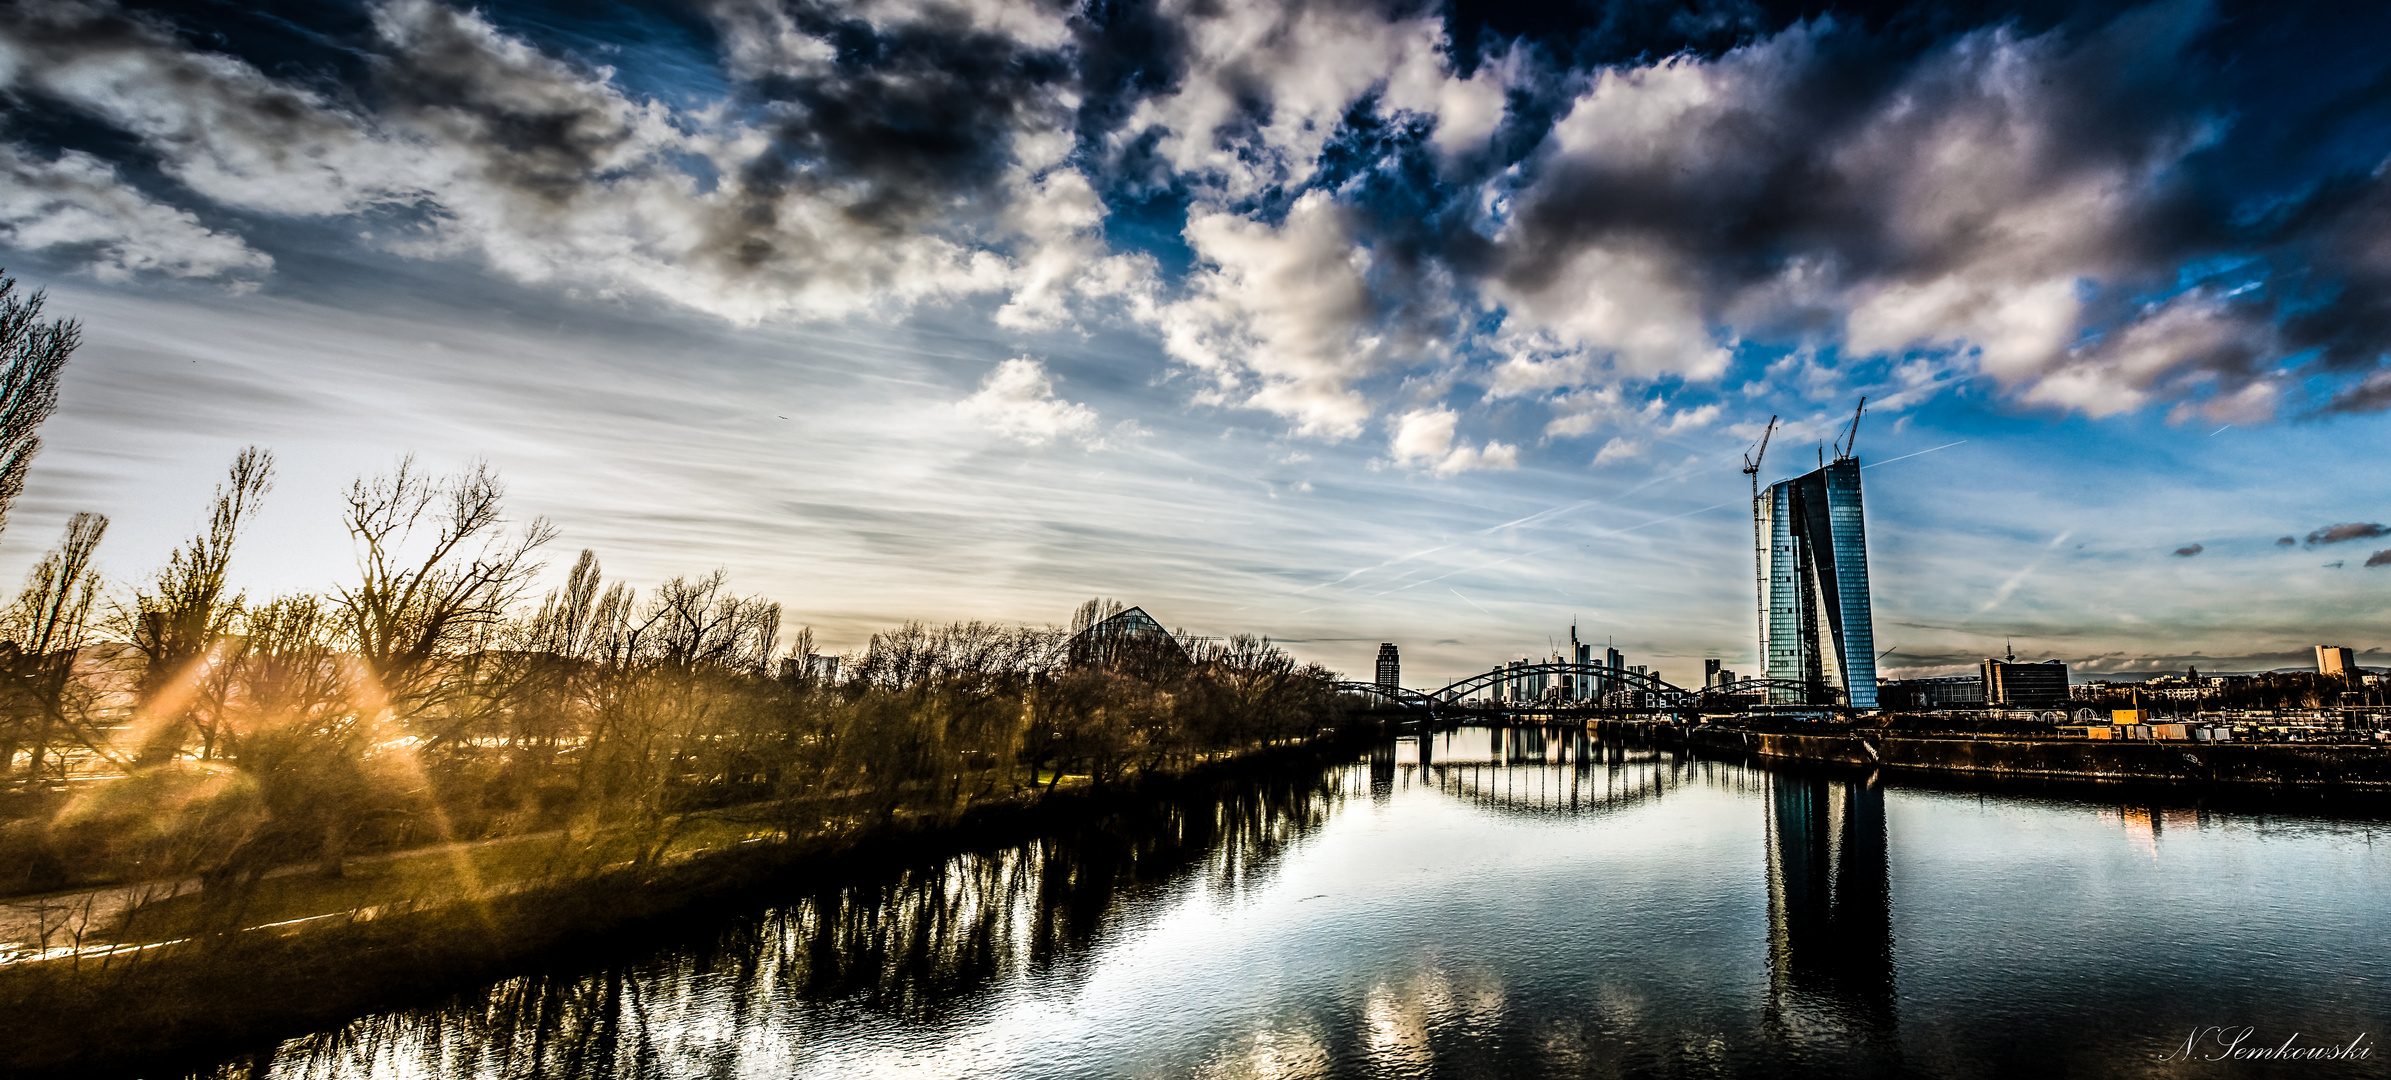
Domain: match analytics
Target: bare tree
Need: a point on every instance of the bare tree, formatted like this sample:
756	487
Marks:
416	605
184	613
31	355
47	627
700	624
567	624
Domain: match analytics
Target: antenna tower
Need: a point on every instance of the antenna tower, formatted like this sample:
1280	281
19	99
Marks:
1751	468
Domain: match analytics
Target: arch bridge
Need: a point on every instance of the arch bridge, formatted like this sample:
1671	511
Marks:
1616	692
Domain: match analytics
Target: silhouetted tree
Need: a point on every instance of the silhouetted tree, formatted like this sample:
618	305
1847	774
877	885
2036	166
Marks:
416	607
32	353
184	613
48	626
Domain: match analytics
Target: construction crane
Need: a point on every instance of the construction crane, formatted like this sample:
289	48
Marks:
1851	433
1751	468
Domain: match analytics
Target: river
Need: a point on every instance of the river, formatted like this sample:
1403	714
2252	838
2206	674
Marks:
1500	904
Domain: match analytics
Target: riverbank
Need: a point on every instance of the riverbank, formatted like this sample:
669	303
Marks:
2353	769
181	1005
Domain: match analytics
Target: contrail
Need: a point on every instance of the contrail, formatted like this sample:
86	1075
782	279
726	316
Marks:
1467	569
1540	515
1364	570
1658	521
2219	431
2001	594
1906	457
1465	600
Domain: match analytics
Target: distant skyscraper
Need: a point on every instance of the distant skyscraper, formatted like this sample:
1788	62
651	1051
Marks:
1710	673
2336	660
1581	684
1390	667
1815	564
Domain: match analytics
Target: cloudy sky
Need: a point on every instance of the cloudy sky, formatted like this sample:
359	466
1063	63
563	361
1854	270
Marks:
1337	321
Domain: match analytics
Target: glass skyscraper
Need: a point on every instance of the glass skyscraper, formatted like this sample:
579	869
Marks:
1815	570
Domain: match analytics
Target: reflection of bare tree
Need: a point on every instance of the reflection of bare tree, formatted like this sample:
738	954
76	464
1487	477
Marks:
912	942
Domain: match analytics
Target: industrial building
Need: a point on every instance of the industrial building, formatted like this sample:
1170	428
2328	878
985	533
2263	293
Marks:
2012	685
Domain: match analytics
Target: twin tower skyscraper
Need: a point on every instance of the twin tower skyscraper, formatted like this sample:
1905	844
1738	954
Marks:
1816	629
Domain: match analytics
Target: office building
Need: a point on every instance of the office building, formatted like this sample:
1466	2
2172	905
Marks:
1581	654
1946	692
1814	567
2012	685
1390	667
2336	660
1710	673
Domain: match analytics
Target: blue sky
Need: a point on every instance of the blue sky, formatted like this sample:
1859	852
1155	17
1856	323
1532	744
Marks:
1337	322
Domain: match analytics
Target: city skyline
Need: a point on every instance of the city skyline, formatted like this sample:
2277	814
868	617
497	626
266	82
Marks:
1120	338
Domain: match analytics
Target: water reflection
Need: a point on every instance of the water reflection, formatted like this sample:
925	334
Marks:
1830	915
916	945
1484	903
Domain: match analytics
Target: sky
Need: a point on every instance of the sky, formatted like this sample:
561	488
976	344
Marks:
1339	322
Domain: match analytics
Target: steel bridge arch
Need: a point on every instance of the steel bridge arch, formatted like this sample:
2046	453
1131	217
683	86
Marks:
1670	694
1654	693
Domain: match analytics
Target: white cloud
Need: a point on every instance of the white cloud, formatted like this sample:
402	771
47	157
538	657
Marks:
1686	419
1308	64
1279	317
1423	439
77	205
1017	401
1618	449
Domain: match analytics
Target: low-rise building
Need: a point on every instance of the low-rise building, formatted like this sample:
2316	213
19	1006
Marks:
1944	692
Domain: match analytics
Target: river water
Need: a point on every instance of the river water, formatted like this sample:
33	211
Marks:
1501	904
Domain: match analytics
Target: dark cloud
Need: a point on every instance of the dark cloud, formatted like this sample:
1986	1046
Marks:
2286	541
2380	558
2353	530
1642	182
534	131
2189	550
920	114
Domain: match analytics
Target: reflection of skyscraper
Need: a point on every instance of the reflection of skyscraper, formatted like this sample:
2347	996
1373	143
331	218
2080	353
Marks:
1815	564
1830	920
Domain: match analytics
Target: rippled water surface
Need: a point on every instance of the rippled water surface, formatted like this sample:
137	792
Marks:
1493	904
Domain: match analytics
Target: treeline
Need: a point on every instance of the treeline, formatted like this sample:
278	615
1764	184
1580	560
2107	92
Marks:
434	698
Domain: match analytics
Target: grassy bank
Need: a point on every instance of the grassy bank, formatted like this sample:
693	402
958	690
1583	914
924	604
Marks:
186	1004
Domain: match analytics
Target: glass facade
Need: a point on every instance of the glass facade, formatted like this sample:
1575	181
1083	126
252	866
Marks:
1815	567
1130	632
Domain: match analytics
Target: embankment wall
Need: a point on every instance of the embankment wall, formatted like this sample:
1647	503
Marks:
2354	768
